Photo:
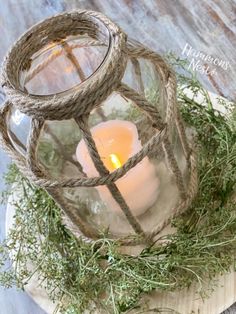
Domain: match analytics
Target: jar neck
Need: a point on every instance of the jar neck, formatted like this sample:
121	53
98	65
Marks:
54	30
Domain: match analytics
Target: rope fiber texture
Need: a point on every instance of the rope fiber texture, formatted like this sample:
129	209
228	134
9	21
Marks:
78	103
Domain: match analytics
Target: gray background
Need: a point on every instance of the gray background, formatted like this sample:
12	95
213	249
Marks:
164	25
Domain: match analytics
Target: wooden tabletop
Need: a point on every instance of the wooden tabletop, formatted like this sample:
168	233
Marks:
203	31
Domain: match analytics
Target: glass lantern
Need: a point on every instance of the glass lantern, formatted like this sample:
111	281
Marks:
92	117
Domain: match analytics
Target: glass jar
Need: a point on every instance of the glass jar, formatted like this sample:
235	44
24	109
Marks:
121	126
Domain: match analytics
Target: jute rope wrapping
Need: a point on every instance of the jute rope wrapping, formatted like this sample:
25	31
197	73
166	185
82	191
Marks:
77	104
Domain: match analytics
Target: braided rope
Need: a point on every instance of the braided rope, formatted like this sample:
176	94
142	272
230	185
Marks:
55	55
154	115
83	125
78	102
92	92
56	193
183	205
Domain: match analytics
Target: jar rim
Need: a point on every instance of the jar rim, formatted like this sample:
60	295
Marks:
106	77
52	52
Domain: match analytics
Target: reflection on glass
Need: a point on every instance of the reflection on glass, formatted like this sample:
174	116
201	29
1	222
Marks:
120	130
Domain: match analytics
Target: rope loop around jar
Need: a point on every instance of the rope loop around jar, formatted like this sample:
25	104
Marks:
82	98
79	101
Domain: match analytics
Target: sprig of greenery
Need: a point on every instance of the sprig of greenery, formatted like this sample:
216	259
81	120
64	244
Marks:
80	275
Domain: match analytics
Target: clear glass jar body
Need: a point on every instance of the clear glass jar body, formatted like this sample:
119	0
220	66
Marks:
119	128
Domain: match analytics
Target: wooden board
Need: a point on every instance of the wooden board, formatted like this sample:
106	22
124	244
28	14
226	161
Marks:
188	301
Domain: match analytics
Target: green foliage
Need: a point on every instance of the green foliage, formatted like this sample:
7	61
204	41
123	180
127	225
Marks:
79	275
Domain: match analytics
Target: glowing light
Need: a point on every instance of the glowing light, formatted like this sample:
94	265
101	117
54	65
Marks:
17	117
56	52
69	69
115	161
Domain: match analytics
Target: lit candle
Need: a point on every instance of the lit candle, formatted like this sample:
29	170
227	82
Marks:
116	142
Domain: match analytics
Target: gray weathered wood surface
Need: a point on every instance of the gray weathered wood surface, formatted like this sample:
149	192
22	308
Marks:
163	25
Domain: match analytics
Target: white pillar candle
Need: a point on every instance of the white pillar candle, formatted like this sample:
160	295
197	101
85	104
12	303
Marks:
116	142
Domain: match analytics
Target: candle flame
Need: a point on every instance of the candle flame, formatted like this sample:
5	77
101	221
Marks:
56	52
69	69
115	161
